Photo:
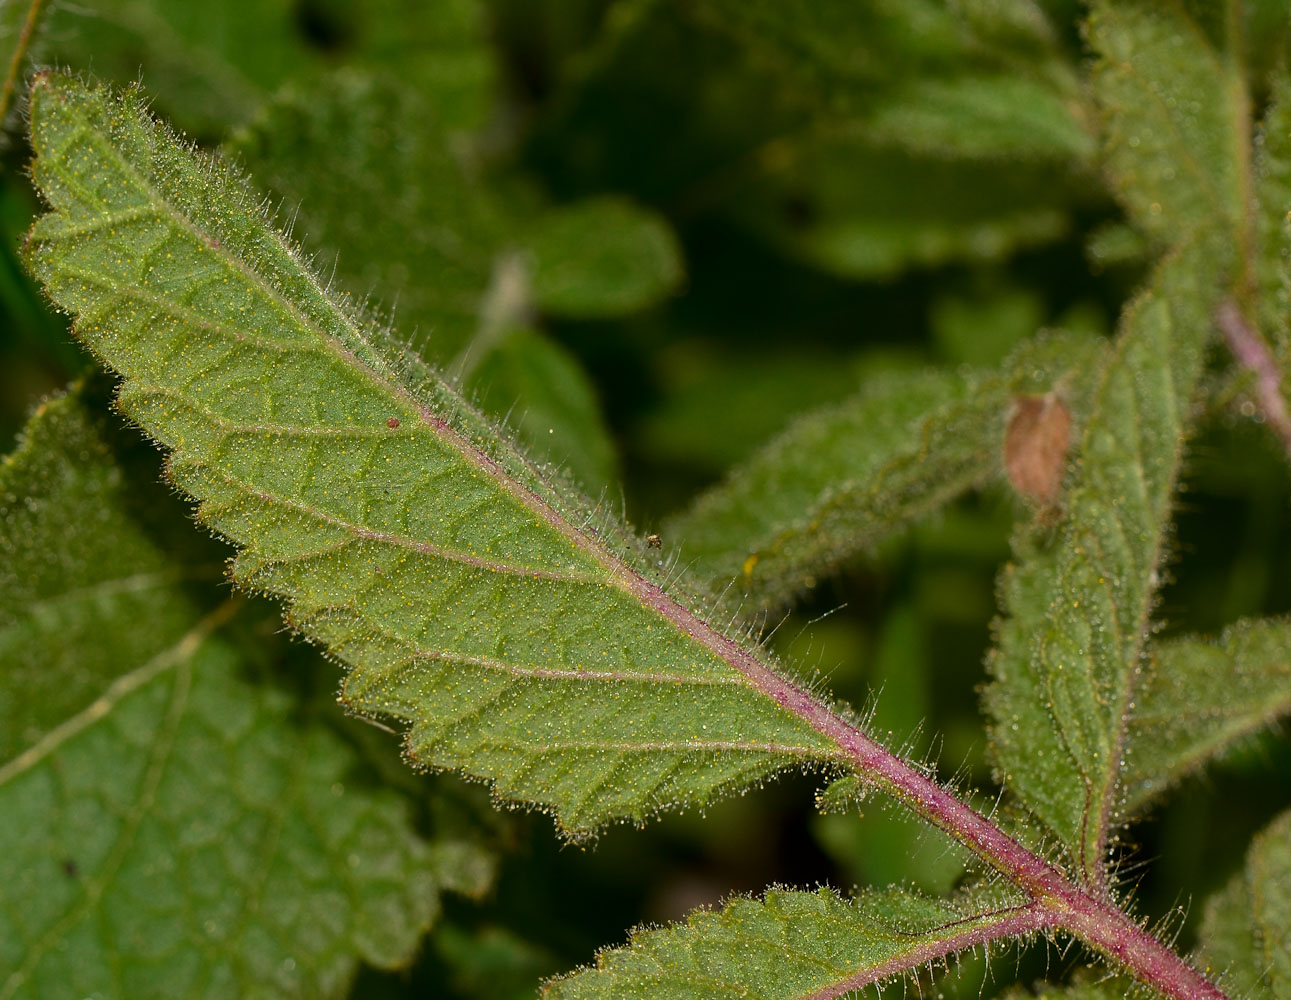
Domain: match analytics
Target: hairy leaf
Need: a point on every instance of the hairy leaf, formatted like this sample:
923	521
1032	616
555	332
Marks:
474	599
793	946
462	258
1197	698
837	482
1246	936
171	817
1079	598
1177	117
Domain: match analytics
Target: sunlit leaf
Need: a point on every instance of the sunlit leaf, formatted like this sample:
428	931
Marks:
515	632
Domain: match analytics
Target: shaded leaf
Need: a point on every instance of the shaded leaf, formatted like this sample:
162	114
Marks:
601	257
1246	935
474	599
1078	599
794	945
216	64
837	482
172	813
426	227
1197	698
1177	117
864	210
552	403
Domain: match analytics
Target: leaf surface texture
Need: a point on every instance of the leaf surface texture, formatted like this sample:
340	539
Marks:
474	599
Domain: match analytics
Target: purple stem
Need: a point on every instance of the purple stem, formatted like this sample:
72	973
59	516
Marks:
1251	352
1057	901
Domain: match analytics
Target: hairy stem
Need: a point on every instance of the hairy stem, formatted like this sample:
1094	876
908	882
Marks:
1060	903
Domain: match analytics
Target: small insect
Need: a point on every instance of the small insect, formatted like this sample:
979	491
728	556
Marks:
654	542
70	868
392	422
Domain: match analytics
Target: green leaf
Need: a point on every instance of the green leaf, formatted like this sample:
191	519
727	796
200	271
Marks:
378	174
474	599
993	117
861	209
740	401
425	227
837	482
1177	117
1079	598
1197	698
1246	935
792	945
1273	189
171	811
216	64
553	404
600	258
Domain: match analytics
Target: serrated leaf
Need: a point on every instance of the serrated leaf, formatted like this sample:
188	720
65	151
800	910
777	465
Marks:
472	598
1079	598
170	815
1177	116
793	946
1246	935
1197	698
837	482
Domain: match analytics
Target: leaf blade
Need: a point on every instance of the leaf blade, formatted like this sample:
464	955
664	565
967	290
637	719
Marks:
1078	601
792	944
351	491
149	731
837	482
1246	934
1199	698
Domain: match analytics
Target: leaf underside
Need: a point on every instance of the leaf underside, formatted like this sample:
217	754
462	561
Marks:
169	818
473	597
788	946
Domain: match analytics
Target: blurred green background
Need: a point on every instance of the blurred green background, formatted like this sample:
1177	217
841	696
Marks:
716	241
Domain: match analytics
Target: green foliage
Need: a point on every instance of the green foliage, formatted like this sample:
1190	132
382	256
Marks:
1197	698
906	227
838	482
173	810
485	259
349	493
1079	600
1246	937
785	945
